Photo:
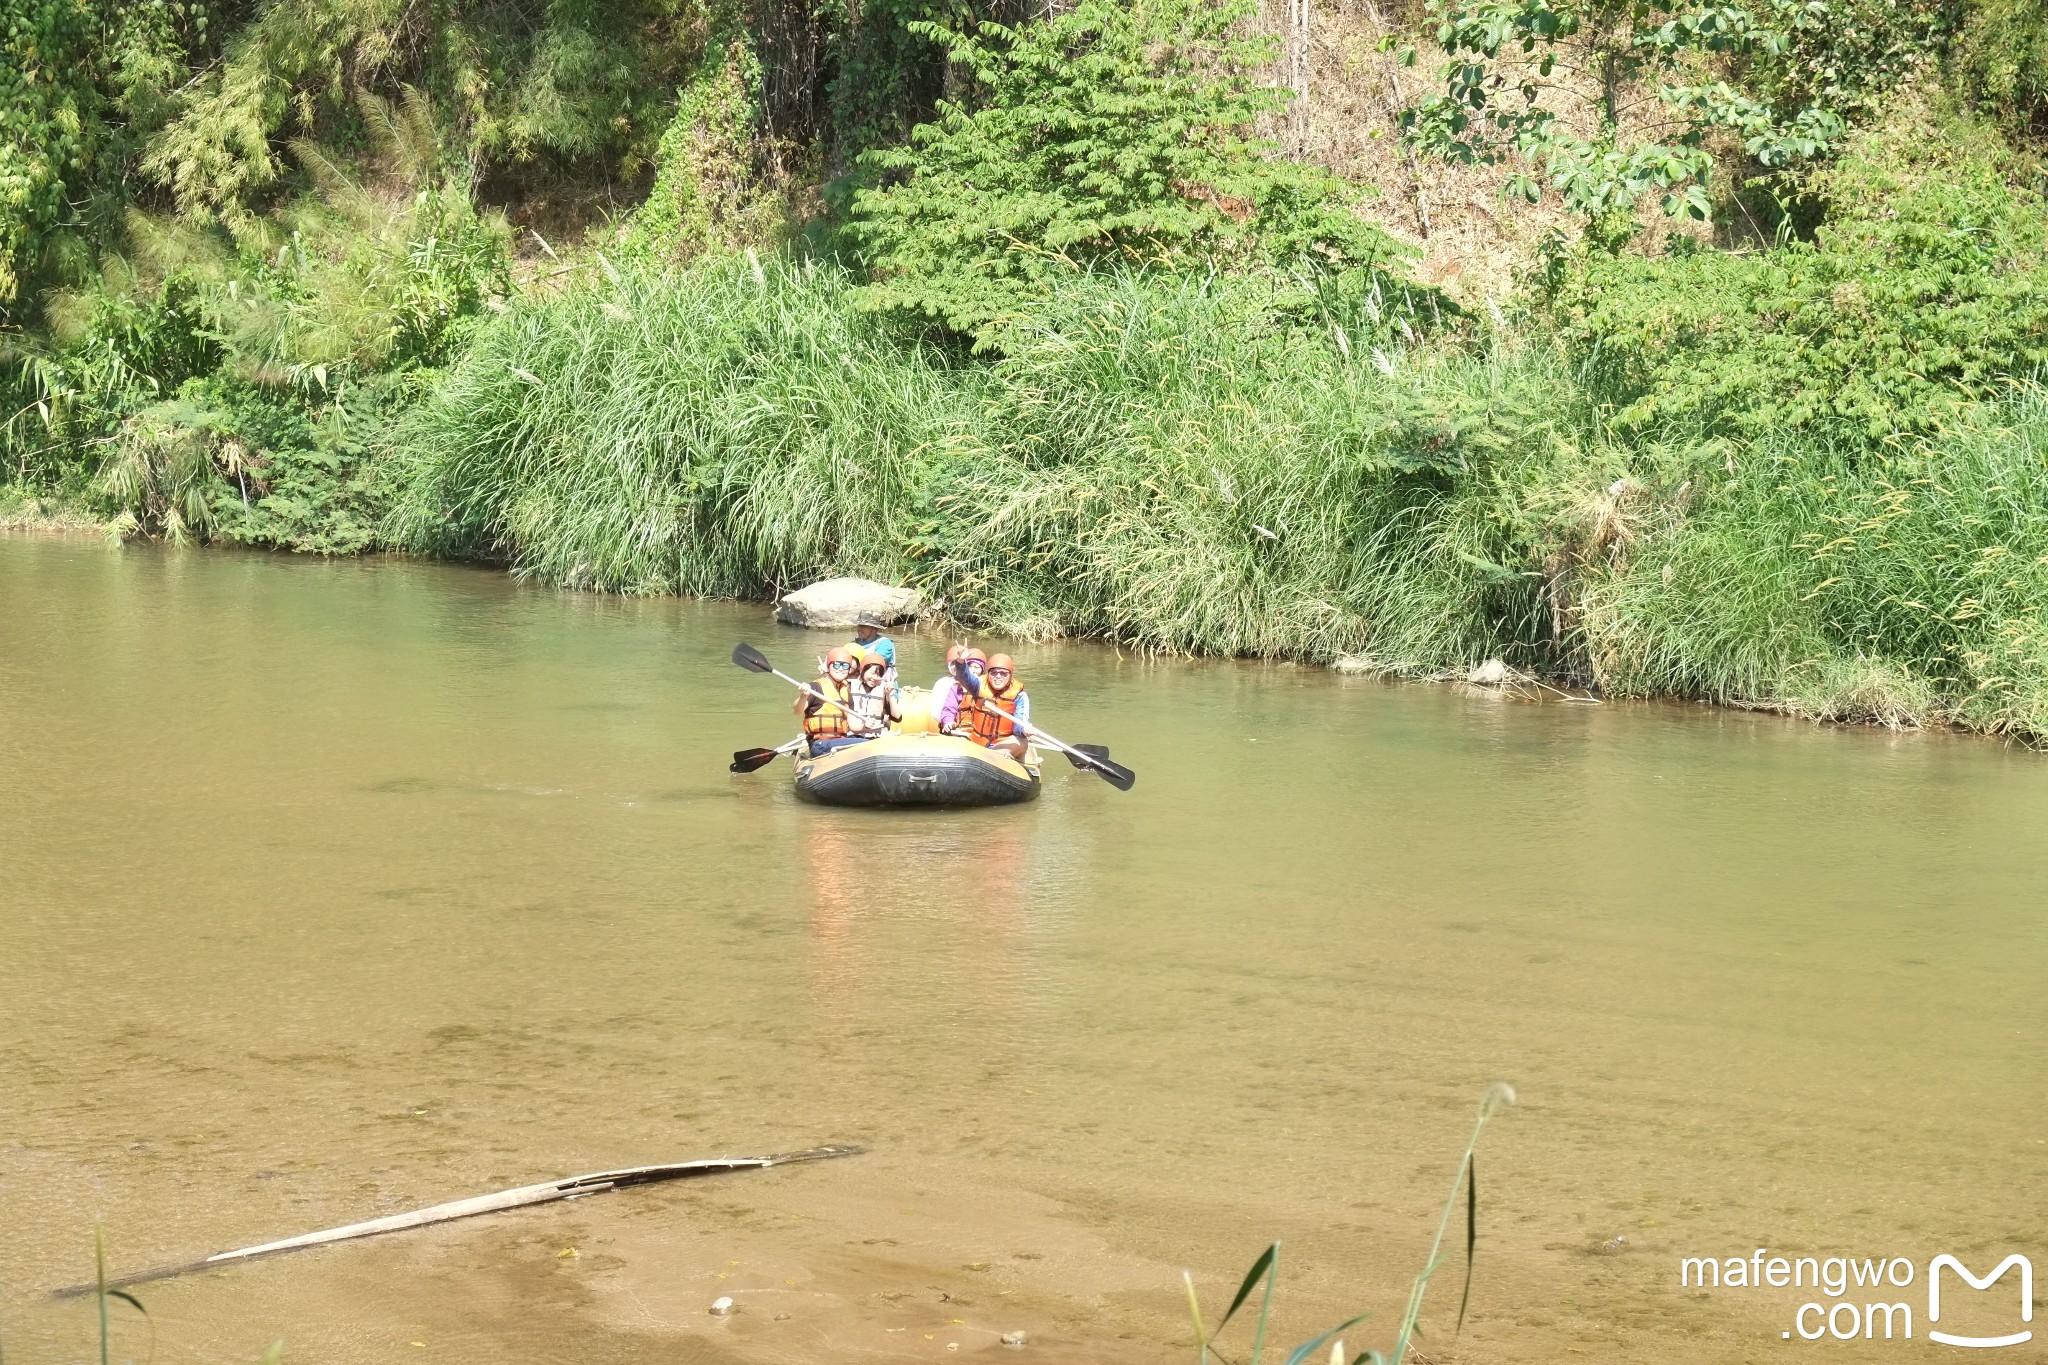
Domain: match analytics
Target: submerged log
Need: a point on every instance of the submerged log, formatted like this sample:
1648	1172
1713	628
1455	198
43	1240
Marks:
572	1187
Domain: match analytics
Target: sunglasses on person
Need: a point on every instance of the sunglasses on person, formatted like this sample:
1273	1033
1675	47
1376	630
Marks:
840	666
999	672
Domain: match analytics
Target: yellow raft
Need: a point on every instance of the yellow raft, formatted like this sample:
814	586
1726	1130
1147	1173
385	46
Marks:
915	765
916	770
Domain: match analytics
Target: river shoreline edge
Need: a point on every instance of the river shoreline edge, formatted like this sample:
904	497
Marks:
44	518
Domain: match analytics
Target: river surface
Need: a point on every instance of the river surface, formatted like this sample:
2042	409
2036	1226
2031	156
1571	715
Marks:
332	889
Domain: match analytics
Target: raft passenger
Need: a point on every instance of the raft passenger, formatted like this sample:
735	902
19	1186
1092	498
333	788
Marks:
947	688
1001	718
873	696
826	707
868	639
956	709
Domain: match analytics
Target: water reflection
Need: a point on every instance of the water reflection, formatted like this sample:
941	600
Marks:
914	912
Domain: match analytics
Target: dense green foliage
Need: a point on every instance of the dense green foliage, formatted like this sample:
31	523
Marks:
1172	464
708	192
80	84
211	362
1025	310
1906	587
1114	134
1781	78
1926	290
1181	466
576	85
2001	60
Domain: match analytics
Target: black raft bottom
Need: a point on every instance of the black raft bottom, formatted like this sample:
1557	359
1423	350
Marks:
883	778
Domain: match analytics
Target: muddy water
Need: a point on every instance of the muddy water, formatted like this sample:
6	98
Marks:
332	889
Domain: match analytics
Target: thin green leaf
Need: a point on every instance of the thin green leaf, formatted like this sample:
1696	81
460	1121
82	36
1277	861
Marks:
1471	1233
99	1263
1266	1305
1195	1312
1301	1352
1244	1291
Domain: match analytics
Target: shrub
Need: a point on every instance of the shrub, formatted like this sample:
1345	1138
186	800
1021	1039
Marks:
706	187
77	82
713	431
575	85
1926	290
217	367
1183	465
1109	134
2000	60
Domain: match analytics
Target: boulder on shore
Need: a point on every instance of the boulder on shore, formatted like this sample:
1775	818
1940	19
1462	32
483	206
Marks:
834	603
1492	673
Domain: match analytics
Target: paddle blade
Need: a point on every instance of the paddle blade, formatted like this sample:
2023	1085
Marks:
751	659
1092	750
747	760
1114	773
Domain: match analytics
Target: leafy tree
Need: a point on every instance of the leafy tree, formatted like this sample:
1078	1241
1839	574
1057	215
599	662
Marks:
2001	60
710	179
575	83
76	77
1114	133
1650	77
886	74
212	365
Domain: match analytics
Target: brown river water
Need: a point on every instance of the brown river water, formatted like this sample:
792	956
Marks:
332	889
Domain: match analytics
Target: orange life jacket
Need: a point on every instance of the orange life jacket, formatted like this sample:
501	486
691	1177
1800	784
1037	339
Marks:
829	719
989	725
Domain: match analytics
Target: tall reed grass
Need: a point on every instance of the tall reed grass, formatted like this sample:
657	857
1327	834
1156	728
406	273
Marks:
1905	587
1210	466
720	432
1181	466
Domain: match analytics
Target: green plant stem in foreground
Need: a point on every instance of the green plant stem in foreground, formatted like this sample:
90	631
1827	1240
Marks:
1499	1095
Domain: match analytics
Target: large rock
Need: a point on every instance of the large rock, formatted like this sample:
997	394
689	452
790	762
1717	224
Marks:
834	603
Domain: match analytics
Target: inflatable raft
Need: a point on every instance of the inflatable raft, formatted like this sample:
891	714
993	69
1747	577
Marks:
910	769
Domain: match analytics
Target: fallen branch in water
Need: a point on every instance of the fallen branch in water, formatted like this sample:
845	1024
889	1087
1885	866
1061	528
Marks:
574	1187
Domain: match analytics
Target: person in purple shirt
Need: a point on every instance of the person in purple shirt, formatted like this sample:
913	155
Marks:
962	665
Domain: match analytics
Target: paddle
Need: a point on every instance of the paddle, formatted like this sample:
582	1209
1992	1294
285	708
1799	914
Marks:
754	661
747	760
1093	756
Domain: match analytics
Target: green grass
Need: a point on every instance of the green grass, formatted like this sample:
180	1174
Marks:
1910	586
1205	466
1179	466
701	432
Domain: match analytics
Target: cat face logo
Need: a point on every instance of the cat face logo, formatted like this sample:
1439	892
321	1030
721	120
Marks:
1934	1298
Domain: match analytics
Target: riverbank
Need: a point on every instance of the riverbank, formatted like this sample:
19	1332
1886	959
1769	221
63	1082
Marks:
25	514
1208	486
1194	469
1809	480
